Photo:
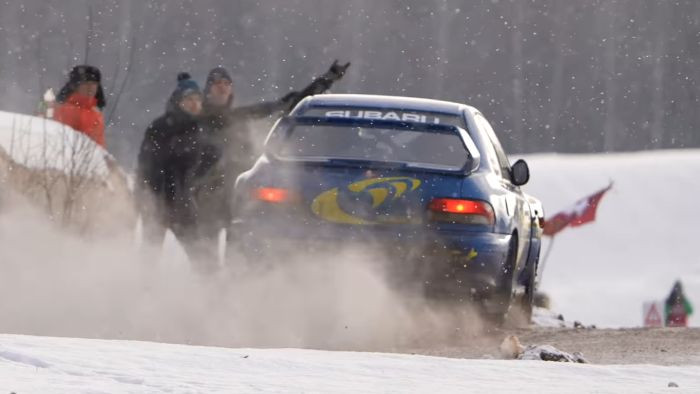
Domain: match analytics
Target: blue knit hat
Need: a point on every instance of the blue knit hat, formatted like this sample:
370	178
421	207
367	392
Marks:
185	87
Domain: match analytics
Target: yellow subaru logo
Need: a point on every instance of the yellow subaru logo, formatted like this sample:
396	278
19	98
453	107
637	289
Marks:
326	205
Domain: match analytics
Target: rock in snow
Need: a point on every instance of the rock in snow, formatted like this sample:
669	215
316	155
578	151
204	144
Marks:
511	348
550	353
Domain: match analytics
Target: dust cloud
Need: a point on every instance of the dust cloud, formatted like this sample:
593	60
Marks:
56	283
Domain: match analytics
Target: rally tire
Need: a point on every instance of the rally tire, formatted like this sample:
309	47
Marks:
496	307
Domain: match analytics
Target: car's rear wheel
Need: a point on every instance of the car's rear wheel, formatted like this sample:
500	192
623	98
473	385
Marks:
495	307
527	302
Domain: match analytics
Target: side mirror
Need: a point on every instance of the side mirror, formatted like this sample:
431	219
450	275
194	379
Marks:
519	173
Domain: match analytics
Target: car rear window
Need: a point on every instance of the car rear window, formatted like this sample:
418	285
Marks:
414	147
386	114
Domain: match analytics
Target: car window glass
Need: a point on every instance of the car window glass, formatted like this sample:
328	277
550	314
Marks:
431	149
490	152
501	156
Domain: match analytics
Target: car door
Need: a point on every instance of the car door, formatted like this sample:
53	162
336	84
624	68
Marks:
516	202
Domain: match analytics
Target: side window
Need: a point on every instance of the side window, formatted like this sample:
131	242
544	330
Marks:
503	162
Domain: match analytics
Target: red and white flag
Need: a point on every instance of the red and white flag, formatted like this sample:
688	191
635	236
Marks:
583	211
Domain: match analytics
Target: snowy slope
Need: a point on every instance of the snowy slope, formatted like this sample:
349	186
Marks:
57	365
41	143
644	238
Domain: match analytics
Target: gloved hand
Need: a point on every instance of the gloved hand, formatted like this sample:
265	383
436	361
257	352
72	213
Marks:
325	81
336	71
320	84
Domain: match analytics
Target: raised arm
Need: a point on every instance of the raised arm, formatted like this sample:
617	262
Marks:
290	100
263	109
320	84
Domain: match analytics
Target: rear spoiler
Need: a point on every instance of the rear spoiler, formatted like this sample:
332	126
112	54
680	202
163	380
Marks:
286	123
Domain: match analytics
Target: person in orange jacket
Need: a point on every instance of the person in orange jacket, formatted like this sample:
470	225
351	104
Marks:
80	101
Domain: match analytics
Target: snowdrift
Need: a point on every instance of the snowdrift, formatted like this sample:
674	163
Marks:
644	237
64	172
43	364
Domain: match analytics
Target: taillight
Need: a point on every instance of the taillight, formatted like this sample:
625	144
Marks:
272	195
461	211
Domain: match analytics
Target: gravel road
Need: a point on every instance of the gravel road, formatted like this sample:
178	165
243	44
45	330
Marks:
661	346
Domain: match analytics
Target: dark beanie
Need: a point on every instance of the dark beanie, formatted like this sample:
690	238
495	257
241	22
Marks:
85	73
215	75
82	73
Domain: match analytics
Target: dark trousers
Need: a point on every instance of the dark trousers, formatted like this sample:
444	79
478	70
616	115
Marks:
200	241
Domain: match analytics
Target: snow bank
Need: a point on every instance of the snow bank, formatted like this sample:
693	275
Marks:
64	173
40	143
43	364
644	237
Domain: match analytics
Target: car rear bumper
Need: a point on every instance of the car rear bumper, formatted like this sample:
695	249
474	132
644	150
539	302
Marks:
446	263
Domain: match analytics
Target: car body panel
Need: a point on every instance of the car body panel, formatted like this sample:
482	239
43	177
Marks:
380	203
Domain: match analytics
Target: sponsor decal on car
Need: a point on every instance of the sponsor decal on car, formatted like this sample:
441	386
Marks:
460	256
380	115
382	191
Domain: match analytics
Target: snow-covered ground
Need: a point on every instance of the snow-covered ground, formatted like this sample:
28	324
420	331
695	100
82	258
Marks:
58	365
40	143
599	274
644	237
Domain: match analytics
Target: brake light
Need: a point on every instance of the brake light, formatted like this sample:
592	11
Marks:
461	211
271	194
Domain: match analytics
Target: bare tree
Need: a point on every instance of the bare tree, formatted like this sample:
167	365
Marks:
610	77
124	80
658	106
89	35
56	171
518	76
557	82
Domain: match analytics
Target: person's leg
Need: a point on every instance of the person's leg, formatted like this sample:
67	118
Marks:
152	236
202	251
212	213
153	232
189	224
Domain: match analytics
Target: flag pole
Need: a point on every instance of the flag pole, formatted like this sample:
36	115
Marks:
545	258
583	212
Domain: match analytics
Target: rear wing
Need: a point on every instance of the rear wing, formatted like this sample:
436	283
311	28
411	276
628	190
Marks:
285	124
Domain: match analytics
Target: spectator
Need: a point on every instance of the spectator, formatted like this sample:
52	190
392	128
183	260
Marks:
677	307
80	101
168	157
227	150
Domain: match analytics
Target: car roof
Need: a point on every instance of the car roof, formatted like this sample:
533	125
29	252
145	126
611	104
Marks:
379	101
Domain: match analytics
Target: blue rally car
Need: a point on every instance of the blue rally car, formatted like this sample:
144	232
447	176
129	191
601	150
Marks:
428	180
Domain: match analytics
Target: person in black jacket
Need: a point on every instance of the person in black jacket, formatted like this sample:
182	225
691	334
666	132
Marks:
167	162
227	149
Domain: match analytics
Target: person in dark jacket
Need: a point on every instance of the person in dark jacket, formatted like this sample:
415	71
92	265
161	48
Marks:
227	148
677	307
167	162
